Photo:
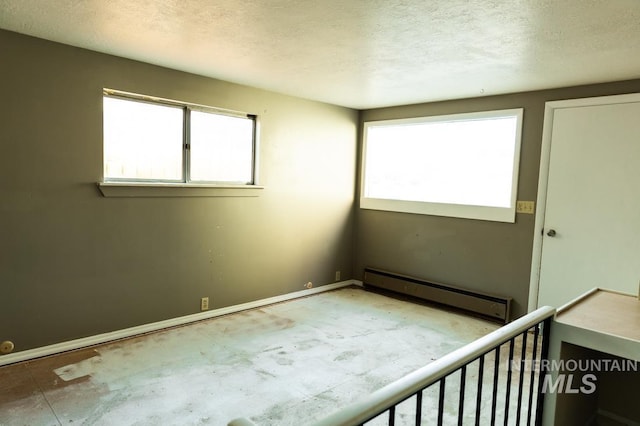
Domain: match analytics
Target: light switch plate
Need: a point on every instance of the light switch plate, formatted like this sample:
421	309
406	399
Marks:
527	207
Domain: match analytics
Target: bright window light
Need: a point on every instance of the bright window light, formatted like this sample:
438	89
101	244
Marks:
464	165
142	141
150	140
221	148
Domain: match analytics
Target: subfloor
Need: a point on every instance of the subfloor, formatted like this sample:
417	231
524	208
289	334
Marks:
286	364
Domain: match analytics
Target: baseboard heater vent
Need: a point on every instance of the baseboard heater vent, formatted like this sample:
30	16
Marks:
484	304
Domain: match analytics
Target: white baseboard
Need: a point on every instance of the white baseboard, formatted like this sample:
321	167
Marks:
155	326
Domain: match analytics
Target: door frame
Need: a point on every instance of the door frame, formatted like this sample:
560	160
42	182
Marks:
543	178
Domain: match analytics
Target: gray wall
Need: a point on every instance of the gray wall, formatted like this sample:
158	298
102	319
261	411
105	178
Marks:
486	256
74	264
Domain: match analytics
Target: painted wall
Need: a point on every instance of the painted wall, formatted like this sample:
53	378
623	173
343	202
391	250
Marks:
75	264
480	255
615	394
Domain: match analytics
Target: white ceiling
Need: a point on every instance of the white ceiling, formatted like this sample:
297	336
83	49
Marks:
356	53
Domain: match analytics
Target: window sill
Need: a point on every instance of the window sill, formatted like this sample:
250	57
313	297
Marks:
141	189
494	214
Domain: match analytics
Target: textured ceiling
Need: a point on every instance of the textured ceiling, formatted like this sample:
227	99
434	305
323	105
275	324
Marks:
356	53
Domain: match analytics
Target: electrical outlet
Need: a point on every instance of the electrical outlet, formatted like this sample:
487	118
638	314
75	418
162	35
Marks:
204	304
337	275
527	207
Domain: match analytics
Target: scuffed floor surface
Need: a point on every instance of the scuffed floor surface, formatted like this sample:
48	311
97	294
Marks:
285	364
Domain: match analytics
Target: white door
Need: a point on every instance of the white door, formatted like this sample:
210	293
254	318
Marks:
590	226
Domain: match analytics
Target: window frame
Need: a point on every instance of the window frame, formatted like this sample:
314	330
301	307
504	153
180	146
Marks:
466	211
141	187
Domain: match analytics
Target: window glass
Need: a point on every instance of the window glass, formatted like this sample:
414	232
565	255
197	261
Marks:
153	140
221	148
142	141
464	165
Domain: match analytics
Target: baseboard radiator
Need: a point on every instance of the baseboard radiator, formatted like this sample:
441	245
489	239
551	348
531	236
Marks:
488	305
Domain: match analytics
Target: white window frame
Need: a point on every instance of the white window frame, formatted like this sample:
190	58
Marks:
490	213
132	187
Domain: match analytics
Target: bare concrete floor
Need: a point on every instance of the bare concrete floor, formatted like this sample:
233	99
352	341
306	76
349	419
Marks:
285	364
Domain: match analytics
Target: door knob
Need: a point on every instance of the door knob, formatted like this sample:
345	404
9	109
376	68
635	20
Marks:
551	232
